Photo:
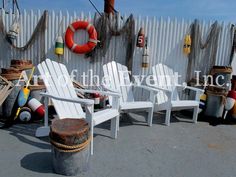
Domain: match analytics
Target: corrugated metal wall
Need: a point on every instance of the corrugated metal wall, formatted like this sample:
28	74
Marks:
165	41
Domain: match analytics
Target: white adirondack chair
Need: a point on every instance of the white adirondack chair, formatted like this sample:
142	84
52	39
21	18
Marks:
117	79
63	94
168	98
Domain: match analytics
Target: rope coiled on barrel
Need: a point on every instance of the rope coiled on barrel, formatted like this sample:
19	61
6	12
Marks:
66	148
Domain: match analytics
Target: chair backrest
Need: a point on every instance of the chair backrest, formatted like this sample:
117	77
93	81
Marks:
59	84
117	78
165	78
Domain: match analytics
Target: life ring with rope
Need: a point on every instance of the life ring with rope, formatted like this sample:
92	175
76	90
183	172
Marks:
85	48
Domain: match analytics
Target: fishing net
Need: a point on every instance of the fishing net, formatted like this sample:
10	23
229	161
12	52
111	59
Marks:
35	43
109	27
203	54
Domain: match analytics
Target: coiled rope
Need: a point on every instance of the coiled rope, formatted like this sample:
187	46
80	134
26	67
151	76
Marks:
69	149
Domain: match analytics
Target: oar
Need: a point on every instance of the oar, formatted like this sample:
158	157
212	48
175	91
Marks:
24	95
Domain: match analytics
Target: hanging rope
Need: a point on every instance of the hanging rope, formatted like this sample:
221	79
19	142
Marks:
40	28
203	54
95	7
107	28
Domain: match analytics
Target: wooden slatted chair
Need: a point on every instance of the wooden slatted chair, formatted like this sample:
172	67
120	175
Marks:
117	79
168	98
63	94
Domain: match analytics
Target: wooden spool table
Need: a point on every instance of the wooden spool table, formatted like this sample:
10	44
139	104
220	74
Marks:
70	139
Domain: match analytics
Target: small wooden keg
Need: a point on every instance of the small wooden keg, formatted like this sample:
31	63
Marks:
70	139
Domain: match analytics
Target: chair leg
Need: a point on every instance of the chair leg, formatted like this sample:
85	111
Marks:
150	116
114	127
195	114
91	144
168	114
118	123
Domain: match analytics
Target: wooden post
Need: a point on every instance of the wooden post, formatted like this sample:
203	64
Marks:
109	6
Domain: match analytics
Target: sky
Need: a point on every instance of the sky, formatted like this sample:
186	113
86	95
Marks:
222	10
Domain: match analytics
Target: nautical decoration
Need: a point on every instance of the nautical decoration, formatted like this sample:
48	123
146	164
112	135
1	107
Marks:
59	46
25	114
230	101
141	38
187	44
24	95
36	107
145	61
85	48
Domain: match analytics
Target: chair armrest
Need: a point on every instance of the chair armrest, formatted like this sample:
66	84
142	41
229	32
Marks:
147	88
115	94
161	89
191	88
86	102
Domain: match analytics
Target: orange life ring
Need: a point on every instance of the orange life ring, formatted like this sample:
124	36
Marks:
81	49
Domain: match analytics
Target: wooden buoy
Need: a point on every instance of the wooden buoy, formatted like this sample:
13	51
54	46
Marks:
187	45
141	38
25	114
145	60
36	107
59	46
230	101
70	139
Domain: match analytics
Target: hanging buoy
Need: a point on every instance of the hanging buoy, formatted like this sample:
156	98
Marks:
145	61
13	31
25	114
36	107
187	45
141	38
202	104
85	48
230	101
59	46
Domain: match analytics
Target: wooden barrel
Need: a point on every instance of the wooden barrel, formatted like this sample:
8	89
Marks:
9	105
216	97
221	75
70	139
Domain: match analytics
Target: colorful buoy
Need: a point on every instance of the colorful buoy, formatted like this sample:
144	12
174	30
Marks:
36	107
141	38
230	100
25	114
59	46
187	45
230	103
